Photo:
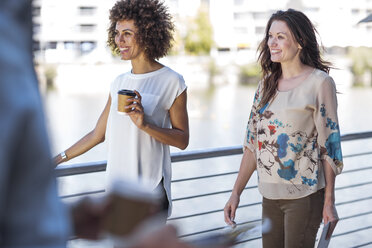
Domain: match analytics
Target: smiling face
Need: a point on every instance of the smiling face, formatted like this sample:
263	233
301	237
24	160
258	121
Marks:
283	47
125	39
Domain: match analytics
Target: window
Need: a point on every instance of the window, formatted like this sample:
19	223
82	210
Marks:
86	11
87	27
36	10
51	45
36	28
241	30
355	11
241	16
69	45
260	15
35	45
87	46
312	9
223	49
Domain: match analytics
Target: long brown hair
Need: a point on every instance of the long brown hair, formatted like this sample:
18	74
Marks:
303	32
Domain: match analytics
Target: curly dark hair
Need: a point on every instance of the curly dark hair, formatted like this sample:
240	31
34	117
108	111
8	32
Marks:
154	24
304	33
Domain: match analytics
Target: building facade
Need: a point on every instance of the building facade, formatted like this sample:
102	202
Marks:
240	24
65	30
76	30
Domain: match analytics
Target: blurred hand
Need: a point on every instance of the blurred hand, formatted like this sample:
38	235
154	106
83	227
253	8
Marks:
230	209
57	160
330	215
87	218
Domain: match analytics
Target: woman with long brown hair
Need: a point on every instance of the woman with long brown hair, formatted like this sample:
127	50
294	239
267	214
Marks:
293	137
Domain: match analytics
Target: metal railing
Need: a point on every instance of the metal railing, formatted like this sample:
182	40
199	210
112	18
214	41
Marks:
83	168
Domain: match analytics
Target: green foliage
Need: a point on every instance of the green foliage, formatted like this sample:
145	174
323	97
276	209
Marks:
199	37
249	74
361	58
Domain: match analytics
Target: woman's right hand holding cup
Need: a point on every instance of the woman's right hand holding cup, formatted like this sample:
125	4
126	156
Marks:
230	209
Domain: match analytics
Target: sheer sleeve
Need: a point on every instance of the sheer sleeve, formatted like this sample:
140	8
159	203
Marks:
326	122
250	138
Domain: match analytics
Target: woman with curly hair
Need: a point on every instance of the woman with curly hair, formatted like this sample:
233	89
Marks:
293	136
138	142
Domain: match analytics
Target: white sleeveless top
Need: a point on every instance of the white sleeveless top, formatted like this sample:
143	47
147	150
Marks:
132	153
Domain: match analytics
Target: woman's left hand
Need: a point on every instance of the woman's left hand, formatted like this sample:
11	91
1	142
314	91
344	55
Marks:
330	215
137	113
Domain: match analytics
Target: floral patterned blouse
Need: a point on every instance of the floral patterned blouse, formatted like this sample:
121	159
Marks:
292	135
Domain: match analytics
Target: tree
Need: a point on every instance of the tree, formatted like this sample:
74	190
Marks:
361	58
199	37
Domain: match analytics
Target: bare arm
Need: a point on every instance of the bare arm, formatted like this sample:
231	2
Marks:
329	209
93	138
247	167
178	135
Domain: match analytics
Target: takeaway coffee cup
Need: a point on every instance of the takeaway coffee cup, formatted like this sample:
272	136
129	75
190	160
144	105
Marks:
123	95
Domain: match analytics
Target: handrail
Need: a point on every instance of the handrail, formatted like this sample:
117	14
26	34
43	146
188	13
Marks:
211	212
206	153
224	191
218	228
258	220
80	168
356	136
362	245
83	168
259	202
100	166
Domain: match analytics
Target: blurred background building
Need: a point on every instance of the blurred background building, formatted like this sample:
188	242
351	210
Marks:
64	31
75	30
71	30
240	24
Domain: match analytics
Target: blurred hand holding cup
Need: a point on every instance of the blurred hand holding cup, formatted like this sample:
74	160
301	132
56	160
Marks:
132	205
123	96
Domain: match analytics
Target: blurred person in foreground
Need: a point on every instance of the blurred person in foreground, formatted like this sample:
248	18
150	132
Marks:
293	136
31	214
141	31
